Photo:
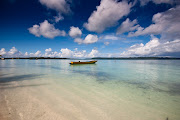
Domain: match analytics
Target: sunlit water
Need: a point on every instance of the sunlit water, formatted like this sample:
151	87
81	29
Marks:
109	89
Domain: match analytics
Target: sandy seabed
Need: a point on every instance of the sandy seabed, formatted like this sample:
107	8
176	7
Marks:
50	100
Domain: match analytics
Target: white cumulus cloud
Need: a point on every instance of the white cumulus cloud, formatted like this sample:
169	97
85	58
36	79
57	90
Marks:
50	53
13	52
66	52
111	37
47	30
166	24
89	39
127	26
107	15
36	54
58	18
154	48
79	54
3	52
93	53
61	6
75	32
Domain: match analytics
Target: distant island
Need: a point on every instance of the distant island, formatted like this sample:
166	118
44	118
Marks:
101	58
136	58
34	58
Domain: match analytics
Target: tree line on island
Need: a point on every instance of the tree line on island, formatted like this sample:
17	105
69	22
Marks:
97	58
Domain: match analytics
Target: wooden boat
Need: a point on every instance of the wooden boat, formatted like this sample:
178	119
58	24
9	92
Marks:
88	62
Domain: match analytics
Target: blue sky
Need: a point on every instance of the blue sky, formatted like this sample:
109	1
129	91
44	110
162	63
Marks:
89	28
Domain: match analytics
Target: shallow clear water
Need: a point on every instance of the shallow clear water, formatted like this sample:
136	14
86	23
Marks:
114	89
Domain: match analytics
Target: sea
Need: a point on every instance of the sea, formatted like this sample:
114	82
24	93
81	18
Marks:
108	90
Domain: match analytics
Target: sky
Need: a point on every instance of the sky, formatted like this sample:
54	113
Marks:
90	28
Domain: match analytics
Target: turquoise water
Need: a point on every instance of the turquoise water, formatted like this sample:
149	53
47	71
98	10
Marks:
116	89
